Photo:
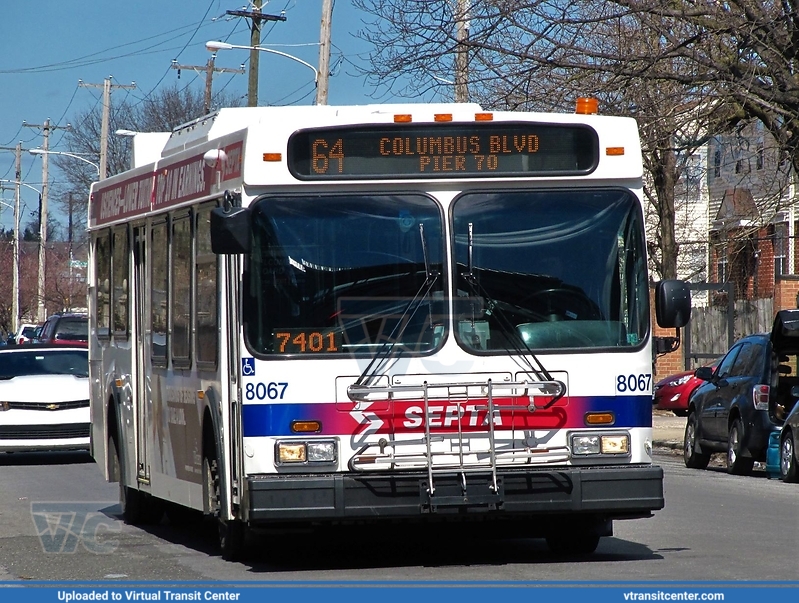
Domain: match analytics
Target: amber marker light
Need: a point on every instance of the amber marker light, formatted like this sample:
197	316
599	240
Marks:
599	418
587	105
442	117
403	119
614	151
273	156
483	117
306	426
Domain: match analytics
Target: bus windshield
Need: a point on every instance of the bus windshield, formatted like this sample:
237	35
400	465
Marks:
555	268
344	274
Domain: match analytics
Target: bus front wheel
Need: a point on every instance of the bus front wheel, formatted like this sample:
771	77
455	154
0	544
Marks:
231	533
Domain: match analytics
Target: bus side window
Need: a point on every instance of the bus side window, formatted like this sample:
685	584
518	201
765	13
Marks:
102	304
206	293
180	298
159	289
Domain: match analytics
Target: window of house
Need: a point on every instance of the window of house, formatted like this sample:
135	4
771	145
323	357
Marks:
761	152
722	268
717	161
780	249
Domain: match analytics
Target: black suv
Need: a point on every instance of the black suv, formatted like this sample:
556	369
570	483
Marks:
744	399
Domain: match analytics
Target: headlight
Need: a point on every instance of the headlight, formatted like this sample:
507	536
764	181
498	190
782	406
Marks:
583	444
305	452
680	381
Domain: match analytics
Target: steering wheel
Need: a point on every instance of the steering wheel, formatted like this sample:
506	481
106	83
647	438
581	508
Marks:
582	301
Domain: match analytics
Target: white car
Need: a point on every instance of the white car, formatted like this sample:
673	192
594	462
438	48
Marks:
44	398
25	333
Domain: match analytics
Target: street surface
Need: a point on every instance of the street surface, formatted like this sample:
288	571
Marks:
714	527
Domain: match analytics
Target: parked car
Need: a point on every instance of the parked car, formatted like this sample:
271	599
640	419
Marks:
25	332
66	328
672	392
745	399
44	398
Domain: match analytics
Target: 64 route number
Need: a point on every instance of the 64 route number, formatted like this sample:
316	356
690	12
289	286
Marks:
627	384
265	391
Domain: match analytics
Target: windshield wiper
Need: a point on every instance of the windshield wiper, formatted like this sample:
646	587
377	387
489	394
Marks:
390	349
493	307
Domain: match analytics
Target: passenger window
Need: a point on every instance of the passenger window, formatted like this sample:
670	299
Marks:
725	368
749	361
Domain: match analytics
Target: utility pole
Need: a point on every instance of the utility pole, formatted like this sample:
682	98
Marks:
15	253
462	52
257	18
209	76
106	86
324	52
45	128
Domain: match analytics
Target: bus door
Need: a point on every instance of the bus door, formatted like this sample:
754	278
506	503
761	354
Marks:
235	362
142	397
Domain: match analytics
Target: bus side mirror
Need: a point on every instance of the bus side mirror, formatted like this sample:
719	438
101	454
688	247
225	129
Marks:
230	230
672	303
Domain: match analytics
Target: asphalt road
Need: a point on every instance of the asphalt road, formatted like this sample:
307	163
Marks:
714	527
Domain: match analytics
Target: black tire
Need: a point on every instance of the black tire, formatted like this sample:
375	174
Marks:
691	456
680	413
789	466
137	507
583	543
231	534
737	464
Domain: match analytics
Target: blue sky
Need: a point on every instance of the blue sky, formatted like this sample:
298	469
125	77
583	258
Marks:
49	46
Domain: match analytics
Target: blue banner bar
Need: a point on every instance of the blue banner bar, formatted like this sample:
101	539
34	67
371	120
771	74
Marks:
397	592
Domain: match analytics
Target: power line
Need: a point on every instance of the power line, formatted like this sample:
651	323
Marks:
209	70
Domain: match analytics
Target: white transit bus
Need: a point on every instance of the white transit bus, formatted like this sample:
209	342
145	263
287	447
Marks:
404	313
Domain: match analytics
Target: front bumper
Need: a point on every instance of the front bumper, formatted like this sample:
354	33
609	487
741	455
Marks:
613	492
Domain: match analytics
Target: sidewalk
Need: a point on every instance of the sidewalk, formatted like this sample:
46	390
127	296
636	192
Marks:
668	429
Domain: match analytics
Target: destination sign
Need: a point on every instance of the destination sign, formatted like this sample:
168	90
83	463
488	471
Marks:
451	150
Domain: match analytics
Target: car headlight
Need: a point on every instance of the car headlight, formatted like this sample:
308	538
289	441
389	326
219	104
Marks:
680	381
584	444
294	452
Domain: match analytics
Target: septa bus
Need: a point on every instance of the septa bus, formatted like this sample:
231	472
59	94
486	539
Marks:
400	313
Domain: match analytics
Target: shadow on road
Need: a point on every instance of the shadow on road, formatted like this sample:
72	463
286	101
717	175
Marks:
374	547
69	457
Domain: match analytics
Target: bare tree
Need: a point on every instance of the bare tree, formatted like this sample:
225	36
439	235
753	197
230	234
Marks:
160	112
684	70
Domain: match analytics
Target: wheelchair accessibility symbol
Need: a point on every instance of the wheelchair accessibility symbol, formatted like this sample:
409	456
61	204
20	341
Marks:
248	367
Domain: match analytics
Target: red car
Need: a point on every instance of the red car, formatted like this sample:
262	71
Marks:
673	392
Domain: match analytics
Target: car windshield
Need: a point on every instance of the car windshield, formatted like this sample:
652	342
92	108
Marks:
73	328
43	362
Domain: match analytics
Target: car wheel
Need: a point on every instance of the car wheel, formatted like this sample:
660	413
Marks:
737	464
680	413
693	459
789	471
